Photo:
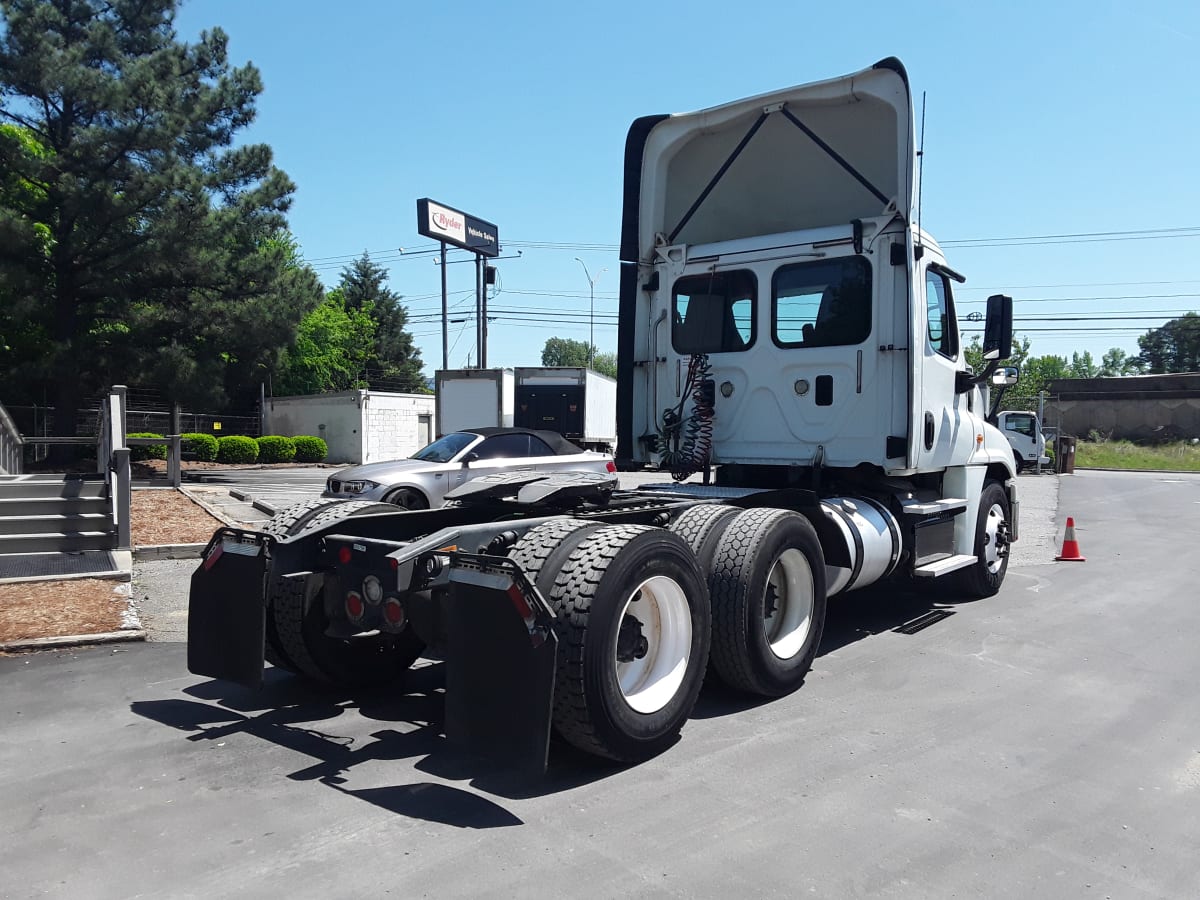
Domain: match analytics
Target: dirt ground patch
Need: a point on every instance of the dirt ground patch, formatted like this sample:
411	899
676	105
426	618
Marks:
167	516
40	609
77	606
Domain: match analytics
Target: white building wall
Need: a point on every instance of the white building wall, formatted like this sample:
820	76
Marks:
397	425
359	426
336	418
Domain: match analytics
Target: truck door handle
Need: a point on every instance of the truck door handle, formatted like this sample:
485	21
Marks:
928	431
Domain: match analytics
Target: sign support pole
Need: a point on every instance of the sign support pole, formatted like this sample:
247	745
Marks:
445	315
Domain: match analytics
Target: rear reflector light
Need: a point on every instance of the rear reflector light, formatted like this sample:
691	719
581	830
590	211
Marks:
344	555
393	612
610	466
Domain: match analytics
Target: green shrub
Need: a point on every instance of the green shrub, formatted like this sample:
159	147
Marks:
275	448
153	451
202	446
310	449
237	448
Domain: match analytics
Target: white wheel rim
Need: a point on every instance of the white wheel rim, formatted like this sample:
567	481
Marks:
991	544
788	623
649	683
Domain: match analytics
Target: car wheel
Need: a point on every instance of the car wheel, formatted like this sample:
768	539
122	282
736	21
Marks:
407	498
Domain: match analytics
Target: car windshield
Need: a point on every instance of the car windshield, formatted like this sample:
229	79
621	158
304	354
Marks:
445	448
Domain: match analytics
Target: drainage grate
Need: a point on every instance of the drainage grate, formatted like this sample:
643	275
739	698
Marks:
36	565
924	621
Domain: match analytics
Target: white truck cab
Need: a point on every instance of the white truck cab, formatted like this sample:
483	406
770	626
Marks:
1025	434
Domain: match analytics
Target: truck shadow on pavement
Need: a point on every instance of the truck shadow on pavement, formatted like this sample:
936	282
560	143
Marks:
292	714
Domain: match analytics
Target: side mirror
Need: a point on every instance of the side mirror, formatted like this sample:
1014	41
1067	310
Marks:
470	458
997	328
1006	376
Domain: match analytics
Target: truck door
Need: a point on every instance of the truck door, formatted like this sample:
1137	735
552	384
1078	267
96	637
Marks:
942	429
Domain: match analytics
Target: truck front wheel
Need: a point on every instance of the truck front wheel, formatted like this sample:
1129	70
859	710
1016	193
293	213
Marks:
768	600
984	577
633	624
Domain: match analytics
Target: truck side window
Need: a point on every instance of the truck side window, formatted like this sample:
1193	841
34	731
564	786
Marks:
714	313
822	304
1020	424
943	330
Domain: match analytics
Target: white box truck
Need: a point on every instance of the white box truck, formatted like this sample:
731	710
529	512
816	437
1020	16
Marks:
473	398
574	401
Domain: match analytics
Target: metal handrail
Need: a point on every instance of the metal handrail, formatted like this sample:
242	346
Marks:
11	445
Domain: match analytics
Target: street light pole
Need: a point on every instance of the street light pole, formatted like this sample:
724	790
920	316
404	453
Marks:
591	307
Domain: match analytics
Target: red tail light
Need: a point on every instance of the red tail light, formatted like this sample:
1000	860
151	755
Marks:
610	466
344	555
354	606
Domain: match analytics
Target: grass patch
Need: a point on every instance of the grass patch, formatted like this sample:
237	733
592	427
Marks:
1182	456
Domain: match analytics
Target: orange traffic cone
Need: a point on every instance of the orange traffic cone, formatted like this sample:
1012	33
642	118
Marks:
1070	548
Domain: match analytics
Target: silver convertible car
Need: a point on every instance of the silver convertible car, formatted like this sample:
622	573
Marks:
422	480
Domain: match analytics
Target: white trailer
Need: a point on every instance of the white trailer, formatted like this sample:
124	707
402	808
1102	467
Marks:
577	402
473	398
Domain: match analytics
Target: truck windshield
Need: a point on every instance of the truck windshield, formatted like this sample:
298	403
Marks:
714	313
446	447
822	304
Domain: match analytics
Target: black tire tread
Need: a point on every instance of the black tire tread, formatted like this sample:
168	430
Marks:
574	590
730	635
699	524
535	547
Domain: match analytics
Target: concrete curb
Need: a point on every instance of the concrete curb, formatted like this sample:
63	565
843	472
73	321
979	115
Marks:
76	640
240	495
263	506
111	575
168	551
207	507
1146	471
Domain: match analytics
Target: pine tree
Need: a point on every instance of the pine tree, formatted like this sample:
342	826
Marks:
395	359
164	246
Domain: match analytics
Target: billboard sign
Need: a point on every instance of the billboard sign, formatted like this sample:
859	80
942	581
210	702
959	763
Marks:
443	223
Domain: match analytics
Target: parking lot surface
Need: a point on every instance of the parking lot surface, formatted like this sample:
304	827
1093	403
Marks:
1041	743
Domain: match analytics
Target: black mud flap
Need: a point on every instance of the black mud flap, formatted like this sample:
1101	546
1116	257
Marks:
227	608
500	662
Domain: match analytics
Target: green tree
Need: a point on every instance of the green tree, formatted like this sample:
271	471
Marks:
1116	362
331	350
1175	347
566	352
1083	366
605	364
145	244
394	355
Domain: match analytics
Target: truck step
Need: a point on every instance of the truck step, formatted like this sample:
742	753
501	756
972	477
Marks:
944	566
924	509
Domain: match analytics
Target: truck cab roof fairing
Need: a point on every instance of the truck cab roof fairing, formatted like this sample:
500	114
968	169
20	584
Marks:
802	157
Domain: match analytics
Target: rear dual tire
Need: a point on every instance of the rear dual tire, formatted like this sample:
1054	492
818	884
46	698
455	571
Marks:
633	624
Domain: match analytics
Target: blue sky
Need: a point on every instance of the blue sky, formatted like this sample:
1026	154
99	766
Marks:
1051	118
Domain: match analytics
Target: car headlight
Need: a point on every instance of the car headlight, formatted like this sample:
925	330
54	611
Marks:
358	487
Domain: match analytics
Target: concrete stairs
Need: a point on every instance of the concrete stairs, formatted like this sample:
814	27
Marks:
55	514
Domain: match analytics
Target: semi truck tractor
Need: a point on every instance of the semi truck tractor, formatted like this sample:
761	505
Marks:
789	356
